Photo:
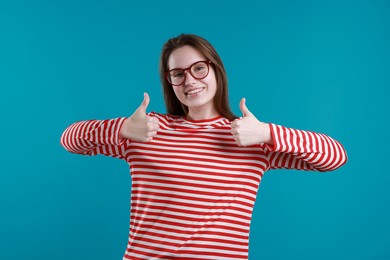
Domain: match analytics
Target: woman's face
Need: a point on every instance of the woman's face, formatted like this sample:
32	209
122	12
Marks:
194	93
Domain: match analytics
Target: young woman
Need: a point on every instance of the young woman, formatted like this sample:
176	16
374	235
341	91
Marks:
196	170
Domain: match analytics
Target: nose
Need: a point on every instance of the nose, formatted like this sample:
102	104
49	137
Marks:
189	79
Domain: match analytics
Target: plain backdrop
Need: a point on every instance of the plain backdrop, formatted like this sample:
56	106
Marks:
312	65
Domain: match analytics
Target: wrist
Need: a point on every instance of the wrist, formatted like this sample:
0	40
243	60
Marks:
267	137
122	133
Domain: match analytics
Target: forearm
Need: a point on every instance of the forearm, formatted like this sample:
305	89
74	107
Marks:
83	136
305	150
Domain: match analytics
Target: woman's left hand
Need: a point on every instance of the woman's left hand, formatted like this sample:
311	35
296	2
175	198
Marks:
248	130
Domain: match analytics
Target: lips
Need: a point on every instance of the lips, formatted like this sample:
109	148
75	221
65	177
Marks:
194	91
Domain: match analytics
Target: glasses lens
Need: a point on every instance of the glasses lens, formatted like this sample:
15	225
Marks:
176	77
200	70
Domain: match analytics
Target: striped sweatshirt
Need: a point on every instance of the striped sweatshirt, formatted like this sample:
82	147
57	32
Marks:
192	188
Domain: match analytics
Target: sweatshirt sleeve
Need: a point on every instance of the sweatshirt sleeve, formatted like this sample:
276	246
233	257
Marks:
304	150
93	137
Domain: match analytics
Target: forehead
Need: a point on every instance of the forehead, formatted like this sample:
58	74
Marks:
184	56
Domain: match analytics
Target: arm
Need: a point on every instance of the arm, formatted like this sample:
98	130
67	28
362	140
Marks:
93	137
303	150
109	137
288	148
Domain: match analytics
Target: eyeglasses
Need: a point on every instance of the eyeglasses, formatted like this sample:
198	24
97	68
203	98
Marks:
198	70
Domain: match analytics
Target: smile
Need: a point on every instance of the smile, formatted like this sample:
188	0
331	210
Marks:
194	91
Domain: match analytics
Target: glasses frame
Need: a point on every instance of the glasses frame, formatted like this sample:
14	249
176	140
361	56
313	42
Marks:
208	62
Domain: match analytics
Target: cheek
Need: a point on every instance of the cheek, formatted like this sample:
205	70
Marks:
178	92
212	82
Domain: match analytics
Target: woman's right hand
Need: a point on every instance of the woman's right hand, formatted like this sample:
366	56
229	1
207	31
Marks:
139	126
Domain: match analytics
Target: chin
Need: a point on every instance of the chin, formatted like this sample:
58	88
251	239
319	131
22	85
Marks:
198	103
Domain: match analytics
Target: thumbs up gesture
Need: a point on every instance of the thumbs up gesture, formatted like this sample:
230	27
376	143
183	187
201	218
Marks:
247	130
139	126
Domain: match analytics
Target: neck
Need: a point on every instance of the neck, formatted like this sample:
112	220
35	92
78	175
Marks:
201	114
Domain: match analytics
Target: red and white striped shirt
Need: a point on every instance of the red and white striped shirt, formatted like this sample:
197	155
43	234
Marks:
193	189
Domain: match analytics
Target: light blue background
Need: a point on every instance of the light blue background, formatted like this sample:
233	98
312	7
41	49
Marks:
313	65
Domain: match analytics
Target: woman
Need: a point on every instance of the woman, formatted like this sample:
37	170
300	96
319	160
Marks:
196	170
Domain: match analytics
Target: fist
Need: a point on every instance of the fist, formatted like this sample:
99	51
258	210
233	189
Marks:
139	126
247	130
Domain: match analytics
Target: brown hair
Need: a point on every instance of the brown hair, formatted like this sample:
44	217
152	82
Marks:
172	103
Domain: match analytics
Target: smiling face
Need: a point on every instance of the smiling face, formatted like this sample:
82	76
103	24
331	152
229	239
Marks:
196	94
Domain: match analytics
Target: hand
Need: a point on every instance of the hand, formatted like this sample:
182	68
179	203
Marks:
247	130
139	126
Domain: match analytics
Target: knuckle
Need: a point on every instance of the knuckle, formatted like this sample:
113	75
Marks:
151	133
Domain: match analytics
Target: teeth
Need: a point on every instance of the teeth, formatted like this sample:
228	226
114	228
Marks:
194	91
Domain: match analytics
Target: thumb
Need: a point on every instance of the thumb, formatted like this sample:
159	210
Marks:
245	111
144	104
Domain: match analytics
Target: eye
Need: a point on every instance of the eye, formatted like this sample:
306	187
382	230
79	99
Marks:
176	74
200	67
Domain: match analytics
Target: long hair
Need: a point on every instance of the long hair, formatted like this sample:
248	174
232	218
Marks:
221	99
